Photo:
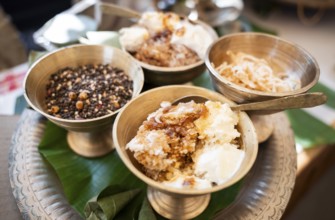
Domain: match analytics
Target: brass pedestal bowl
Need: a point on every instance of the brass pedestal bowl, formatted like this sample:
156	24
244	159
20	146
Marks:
158	75
282	56
170	202
87	137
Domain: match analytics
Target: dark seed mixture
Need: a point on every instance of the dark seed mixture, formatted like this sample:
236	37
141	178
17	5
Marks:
88	91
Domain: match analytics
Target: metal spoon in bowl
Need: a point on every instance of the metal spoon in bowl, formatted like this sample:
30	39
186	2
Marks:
304	100
112	9
262	123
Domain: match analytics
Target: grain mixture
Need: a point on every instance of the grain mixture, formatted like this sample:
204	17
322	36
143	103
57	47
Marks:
88	91
166	40
189	145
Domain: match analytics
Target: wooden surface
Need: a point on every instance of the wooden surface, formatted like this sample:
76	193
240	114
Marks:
312	164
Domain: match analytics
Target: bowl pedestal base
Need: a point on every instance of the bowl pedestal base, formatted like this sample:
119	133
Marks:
90	144
173	206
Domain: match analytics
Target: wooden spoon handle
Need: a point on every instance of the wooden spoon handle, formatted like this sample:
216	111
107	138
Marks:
111	9
289	102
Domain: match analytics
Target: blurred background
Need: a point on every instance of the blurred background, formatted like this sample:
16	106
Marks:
309	23
22	18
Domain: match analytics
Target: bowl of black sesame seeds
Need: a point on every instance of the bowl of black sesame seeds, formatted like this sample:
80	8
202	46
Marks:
81	88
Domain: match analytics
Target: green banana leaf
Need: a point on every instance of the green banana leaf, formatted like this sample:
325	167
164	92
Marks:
84	178
328	92
309	131
109	203
146	212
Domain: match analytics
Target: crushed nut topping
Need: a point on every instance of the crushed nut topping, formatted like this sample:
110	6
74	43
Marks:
87	91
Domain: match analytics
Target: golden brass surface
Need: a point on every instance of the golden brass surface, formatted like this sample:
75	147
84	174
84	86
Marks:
82	142
136	111
283	56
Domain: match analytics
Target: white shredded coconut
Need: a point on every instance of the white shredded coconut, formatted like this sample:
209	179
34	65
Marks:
256	74
133	37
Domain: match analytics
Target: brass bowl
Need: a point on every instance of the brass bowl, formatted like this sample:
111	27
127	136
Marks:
282	55
87	137
157	75
174	203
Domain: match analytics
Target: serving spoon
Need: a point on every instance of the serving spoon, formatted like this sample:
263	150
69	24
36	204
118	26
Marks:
304	100
263	123
112	9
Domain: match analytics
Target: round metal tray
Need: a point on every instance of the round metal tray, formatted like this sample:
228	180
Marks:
264	195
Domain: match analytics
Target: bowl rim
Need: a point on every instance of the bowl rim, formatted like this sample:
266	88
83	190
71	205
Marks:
169	70
78	121
216	74
174	190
